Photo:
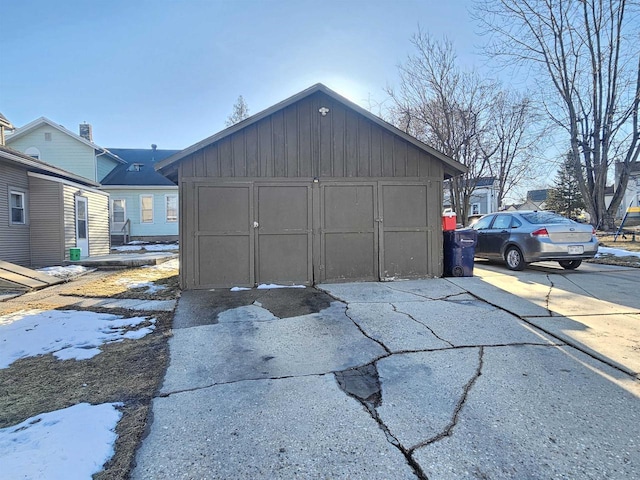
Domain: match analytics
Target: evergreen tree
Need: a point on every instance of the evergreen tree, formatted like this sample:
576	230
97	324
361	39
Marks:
565	197
240	112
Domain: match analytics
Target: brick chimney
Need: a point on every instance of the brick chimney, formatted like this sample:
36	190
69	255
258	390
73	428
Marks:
86	131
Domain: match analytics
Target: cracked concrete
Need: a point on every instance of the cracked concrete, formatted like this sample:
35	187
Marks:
417	379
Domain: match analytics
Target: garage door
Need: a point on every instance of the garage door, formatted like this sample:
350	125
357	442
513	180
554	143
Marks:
349	234
300	233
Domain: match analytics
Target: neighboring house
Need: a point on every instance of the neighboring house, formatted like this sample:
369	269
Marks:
483	200
313	189
144	203
536	200
45	211
631	199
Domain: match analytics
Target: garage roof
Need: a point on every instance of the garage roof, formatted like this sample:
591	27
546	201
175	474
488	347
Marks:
168	166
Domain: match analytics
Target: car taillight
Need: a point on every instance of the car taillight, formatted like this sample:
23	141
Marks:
541	232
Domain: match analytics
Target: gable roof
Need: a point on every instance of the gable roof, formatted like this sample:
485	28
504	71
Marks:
169	164
31	164
147	158
39	122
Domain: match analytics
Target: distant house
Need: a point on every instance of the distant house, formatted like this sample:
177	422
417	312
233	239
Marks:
46	211
483	200
631	197
144	203
536	200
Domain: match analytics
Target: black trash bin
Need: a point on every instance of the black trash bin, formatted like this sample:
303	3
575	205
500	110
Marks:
459	250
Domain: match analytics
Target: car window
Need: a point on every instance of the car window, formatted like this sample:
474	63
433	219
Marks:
483	223
502	222
515	223
544	218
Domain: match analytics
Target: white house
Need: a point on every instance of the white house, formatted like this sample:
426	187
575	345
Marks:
143	203
483	200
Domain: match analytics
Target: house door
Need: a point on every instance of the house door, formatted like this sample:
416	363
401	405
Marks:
82	226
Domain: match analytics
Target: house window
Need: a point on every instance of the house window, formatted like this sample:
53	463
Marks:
146	208
47	136
18	211
135	167
33	152
475	209
117	210
171	208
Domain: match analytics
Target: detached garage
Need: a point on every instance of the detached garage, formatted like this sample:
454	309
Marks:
314	189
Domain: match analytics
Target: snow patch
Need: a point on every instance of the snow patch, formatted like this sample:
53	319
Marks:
267	286
68	334
239	289
150	286
72	443
615	252
64	272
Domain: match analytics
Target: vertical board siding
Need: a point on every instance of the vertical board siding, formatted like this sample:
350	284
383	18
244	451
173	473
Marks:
47	240
298	142
14	239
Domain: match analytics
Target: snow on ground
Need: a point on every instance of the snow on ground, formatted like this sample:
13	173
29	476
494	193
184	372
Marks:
64	272
616	252
239	289
150	286
73	443
149	247
65	333
267	286
173	264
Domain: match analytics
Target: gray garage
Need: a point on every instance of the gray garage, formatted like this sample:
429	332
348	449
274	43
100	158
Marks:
314	189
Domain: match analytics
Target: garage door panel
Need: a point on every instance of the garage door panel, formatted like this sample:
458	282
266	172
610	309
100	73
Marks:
293	248
349	207
223	209
405	254
224	260
349	256
283	208
404	206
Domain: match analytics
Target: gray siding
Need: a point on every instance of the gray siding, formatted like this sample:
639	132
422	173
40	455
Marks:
297	142
14	239
47	240
98	205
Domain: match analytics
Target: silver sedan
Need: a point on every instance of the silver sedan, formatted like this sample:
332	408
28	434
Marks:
522	237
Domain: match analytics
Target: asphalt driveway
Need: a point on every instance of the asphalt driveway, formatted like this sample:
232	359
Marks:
414	379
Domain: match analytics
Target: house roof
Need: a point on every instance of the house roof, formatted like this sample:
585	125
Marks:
31	164
168	165
538	195
29	127
145	175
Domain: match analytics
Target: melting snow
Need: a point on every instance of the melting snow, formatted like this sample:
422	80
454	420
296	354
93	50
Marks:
266	286
73	443
153	247
65	272
65	333
616	252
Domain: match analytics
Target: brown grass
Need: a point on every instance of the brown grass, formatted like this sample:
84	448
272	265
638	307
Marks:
129	372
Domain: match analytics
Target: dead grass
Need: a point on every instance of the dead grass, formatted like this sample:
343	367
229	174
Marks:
129	372
624	242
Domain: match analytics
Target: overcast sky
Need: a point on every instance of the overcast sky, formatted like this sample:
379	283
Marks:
169	72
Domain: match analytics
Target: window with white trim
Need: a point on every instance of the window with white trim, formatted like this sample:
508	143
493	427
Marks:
17	204
118	212
171	208
146	208
475	209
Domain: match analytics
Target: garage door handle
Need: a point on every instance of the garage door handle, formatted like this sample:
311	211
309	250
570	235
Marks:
379	219
256	224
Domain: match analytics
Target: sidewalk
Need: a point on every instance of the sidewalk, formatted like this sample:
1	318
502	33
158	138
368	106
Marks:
415	379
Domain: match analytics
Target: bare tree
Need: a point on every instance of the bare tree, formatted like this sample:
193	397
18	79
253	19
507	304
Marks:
240	112
586	57
513	141
471	119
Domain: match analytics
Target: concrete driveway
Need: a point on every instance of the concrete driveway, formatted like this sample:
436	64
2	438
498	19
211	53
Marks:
415	379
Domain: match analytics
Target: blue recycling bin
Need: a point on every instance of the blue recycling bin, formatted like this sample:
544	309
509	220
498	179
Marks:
459	250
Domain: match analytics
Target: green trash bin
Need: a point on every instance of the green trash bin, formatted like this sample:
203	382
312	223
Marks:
74	254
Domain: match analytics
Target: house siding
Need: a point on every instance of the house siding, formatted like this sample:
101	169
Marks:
98	214
105	165
47	240
14	239
61	151
298	142
159	227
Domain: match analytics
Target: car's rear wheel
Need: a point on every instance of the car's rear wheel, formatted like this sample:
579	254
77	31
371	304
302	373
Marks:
514	259
570	264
